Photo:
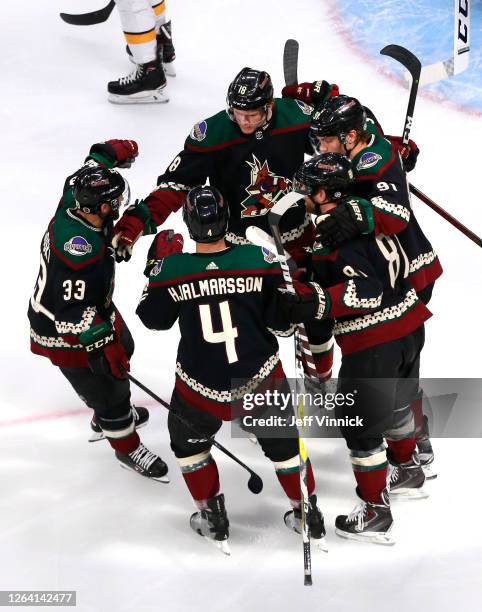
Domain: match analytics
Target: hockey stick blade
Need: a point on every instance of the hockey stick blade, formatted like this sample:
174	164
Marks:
406	58
282	205
259	237
290	61
93	18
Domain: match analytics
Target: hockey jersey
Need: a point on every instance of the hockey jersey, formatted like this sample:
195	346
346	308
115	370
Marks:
74	286
227	306
371	297
252	172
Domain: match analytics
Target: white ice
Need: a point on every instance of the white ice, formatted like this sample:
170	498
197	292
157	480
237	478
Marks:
70	518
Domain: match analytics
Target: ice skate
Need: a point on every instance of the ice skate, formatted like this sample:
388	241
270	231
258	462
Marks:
144	85
144	463
141	416
368	522
213	523
315	520
425	452
406	480
164	49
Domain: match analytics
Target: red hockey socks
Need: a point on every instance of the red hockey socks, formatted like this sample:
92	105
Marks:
288	473
201	475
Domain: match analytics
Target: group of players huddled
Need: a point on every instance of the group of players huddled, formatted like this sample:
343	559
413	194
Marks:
365	275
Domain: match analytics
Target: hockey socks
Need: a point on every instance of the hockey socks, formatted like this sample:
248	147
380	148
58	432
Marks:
288	473
124	445
201	475
401	451
370	469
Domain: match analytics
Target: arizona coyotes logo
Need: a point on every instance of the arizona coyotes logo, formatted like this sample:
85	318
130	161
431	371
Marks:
264	191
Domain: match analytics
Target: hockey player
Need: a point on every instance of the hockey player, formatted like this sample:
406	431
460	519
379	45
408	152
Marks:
73	320
149	46
225	300
250	151
364	286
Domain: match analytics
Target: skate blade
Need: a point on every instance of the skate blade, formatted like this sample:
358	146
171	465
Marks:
319	544
408	494
169	69
163	479
157	96
430	472
383	539
221	545
95	436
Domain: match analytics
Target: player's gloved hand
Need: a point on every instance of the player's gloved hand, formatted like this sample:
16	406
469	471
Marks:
105	353
164	244
117	153
310	301
408	152
135	222
311	93
348	220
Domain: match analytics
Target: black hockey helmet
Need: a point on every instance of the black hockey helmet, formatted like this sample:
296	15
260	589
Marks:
329	171
96	185
337	116
206	214
251	89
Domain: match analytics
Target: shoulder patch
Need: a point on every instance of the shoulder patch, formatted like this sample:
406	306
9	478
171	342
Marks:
268	256
305	108
368	160
199	131
157	268
78	246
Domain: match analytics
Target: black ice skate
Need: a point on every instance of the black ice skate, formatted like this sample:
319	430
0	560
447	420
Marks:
316	523
144	463
368	522
406	480
213	523
425	451
164	49
145	84
141	416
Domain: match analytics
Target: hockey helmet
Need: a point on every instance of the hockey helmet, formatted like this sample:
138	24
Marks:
96	185
337	116
206	214
329	171
250	89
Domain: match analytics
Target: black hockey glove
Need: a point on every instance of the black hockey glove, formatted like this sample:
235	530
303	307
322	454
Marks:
309	302
348	220
105	353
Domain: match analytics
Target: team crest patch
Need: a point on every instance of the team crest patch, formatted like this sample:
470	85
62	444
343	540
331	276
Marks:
78	246
157	268
368	160
264	190
306	109
199	131
268	256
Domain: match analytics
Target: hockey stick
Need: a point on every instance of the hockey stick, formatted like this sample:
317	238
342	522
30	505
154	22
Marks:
447	216
413	65
255	484
290	61
86	19
459	60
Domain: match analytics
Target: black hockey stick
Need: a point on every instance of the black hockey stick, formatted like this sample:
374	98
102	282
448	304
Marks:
447	216
414	67
255	484
86	19
290	61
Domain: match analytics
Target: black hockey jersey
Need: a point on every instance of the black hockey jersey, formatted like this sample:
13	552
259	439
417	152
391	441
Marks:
371	297
252	172
227	306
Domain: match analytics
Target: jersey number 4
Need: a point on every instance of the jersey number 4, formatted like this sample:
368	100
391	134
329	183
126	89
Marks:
228	333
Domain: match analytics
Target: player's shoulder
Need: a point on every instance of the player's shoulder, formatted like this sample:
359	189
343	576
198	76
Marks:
75	242
213	132
253	257
291	112
375	157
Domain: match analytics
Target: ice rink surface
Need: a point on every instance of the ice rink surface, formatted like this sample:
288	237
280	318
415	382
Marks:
70	518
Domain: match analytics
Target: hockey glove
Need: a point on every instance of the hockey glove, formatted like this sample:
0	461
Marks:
408	152
135	222
164	244
309	301
311	93
105	353
115	153
347	221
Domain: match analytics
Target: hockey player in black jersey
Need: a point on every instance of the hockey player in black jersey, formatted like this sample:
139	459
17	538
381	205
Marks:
364	286
73	320
225	299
